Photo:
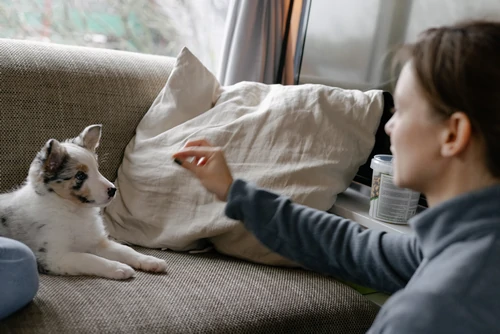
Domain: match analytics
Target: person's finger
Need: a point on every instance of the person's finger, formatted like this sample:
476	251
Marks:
186	164
198	142
201	161
195	151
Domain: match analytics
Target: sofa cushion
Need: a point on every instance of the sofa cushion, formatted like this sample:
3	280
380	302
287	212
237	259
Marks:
306	142
203	293
50	90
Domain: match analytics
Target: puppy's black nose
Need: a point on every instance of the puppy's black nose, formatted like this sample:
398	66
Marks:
111	192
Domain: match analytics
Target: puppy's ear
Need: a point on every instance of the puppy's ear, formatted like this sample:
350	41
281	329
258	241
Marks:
89	138
55	156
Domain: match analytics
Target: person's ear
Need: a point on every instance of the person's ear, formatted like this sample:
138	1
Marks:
456	134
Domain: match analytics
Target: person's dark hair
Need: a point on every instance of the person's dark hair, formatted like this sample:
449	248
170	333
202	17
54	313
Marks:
458	68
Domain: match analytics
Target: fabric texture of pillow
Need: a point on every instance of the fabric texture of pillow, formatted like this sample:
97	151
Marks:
305	142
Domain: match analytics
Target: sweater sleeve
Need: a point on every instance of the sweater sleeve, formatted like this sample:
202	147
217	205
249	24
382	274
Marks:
423	312
324	242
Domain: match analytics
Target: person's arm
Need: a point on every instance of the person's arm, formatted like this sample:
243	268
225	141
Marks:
424	312
317	240
324	242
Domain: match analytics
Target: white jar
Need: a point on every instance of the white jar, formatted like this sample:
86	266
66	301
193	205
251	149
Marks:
389	203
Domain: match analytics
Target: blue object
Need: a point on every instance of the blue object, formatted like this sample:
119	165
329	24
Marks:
18	276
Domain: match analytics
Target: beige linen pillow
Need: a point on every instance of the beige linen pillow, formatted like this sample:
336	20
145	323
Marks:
305	142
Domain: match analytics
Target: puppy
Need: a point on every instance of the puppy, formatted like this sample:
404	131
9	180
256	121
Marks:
56	213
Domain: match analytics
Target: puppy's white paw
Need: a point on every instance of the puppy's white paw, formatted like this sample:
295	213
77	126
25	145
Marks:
153	264
120	271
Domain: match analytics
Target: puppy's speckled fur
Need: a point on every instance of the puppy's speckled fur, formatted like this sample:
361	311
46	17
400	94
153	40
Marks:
57	213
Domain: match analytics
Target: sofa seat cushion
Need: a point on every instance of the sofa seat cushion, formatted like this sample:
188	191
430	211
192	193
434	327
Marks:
201	293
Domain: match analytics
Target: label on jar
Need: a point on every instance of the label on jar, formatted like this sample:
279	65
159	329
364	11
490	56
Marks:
390	203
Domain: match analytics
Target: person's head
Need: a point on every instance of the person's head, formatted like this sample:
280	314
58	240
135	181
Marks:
447	106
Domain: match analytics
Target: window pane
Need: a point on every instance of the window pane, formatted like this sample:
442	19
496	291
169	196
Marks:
159	27
428	13
339	41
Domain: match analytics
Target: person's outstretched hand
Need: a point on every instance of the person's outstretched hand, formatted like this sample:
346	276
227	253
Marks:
209	166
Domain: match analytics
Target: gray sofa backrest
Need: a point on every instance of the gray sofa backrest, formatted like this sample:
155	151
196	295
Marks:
54	91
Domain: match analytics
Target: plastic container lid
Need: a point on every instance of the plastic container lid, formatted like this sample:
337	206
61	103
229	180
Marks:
382	163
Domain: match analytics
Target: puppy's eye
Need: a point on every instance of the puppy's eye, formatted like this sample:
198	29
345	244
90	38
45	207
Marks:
80	176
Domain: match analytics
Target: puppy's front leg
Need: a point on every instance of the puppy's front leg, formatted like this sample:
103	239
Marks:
114	251
88	264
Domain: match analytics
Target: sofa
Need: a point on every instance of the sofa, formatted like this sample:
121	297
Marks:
54	91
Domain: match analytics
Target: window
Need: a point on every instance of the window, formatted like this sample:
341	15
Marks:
429	13
160	27
349	42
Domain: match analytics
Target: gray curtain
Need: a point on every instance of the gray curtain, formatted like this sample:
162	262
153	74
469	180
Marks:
253	40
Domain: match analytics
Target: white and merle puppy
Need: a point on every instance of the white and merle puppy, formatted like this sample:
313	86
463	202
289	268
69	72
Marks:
56	213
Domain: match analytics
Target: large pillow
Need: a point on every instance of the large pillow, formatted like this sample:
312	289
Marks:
306	142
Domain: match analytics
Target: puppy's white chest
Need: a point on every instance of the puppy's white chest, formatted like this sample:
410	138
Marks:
85	233
78	231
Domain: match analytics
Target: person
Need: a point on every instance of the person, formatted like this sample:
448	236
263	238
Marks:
445	141
18	276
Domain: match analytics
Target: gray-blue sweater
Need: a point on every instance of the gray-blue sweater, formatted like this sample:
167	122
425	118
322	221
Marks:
444	277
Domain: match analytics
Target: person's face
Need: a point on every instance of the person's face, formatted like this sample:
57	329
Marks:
414	131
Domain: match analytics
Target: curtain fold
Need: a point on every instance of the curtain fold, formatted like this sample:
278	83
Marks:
253	41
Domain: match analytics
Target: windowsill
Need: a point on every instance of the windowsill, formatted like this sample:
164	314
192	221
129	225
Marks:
354	204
